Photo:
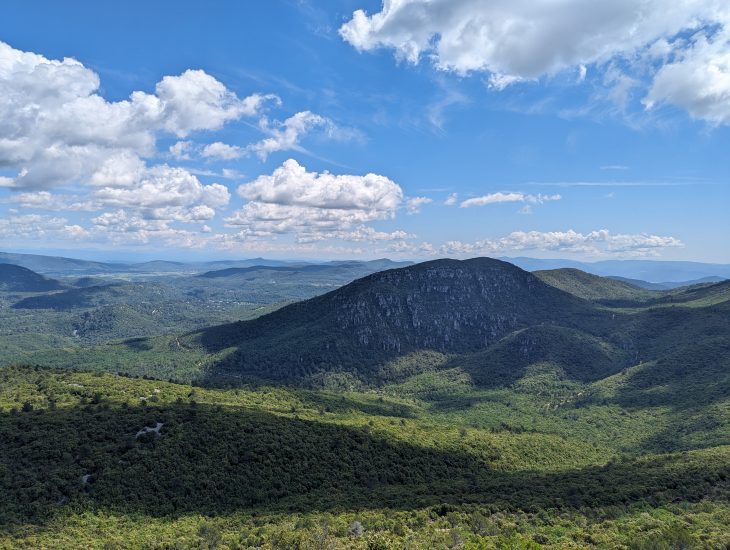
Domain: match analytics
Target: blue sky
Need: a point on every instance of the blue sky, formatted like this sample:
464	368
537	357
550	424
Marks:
411	130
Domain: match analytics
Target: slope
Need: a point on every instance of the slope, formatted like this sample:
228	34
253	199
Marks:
15	278
592	287
445	305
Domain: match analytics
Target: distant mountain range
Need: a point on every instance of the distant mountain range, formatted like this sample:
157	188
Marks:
652	271
61	266
668	285
647	274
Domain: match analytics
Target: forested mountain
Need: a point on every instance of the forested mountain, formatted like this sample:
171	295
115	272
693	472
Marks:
99	295
448	306
592	287
15	278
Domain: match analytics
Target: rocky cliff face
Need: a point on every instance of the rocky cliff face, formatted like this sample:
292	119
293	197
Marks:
443	305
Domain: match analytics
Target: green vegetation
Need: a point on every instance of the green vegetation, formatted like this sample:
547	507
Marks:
446	405
19	279
282	467
592	287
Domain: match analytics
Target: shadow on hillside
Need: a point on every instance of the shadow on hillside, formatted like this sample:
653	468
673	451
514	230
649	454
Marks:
138	344
211	460
341	403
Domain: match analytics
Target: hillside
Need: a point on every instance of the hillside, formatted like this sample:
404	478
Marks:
700	295
592	287
86	459
448	306
15	278
93	296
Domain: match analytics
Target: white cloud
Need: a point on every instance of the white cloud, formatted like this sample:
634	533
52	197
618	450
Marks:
55	128
582	72
523	39
291	184
499	82
314	206
181	150
413	204
285	136
197	101
41	200
698	80
75	231
494	198
596	243
120	169
161	192
24	227
307	223
513	41
164	186
452	199
222	151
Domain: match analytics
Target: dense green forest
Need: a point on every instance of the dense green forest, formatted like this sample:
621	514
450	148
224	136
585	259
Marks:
287	468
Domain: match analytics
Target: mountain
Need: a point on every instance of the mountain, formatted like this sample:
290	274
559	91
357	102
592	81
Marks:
351	269
94	296
448	306
57	265
486	318
668	285
20	279
646	270
592	287
700	294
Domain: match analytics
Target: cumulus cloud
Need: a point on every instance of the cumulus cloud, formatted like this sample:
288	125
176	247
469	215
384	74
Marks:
56	128
698	79
197	101
452	199
222	151
494	198
513	41
315	205
292	184
164	186
29	227
521	39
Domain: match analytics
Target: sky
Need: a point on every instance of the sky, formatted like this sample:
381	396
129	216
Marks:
331	129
